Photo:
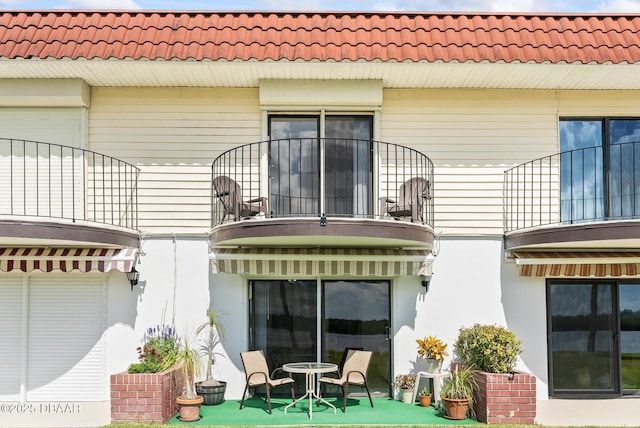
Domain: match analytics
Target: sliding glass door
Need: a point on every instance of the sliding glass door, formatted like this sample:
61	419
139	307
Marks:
306	320
594	337
600	178
320	164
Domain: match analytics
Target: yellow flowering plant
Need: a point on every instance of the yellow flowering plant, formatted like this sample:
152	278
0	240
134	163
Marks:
432	348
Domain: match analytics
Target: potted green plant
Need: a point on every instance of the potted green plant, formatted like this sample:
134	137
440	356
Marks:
157	343
405	383
131	387
425	397
212	390
189	359
458	391
489	348
493	351
433	350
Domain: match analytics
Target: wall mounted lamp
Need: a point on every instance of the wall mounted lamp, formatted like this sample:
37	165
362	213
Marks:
133	277
425	281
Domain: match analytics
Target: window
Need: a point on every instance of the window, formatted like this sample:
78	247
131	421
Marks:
600	169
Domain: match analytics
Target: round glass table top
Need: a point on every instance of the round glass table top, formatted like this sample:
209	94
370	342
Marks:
310	367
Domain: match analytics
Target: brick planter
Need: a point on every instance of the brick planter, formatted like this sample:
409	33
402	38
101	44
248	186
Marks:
508	398
145	397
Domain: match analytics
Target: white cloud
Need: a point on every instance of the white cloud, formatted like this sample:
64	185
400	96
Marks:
619	6
483	5
99	4
299	5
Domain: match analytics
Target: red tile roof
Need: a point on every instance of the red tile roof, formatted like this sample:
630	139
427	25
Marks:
320	36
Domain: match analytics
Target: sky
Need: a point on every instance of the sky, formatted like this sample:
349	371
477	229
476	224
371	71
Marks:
554	6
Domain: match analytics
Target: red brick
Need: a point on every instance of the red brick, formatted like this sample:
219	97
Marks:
504	400
118	387
151	396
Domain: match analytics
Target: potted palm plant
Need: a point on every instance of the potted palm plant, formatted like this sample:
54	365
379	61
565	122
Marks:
188	358
212	390
433	350
458	391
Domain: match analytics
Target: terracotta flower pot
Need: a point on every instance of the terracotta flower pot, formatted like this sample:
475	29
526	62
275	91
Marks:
456	409
425	400
189	409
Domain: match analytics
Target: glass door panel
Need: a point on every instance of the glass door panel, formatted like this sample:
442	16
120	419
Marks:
583	351
624	158
348	165
283	322
294	163
356	314
630	336
582	180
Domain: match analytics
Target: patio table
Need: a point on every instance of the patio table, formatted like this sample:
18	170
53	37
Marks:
310	369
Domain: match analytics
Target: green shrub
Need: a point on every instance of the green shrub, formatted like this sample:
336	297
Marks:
489	348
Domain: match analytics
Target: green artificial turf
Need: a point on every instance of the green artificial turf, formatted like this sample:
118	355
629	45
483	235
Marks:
385	412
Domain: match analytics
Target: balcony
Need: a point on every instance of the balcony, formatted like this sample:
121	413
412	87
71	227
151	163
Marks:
585	199
59	196
322	193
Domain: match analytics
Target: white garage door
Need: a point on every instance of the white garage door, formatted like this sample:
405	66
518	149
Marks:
62	357
10	337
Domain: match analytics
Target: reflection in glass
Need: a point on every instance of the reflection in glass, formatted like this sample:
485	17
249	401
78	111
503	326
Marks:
348	165
283	322
630	336
599	179
294	166
356	315
625	175
582	171
582	344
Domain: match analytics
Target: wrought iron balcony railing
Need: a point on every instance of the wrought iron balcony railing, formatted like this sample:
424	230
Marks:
585	185
61	182
314	177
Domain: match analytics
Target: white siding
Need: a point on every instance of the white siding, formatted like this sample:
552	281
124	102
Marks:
173	135
473	136
10	337
66	351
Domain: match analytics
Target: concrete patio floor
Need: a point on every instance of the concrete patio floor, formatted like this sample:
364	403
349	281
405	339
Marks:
602	412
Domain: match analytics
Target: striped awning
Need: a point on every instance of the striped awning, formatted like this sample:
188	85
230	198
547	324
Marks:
67	259
321	262
603	264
